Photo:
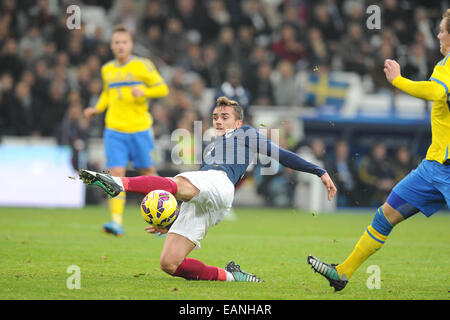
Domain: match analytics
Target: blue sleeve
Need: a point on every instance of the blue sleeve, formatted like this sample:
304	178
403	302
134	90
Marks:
294	161
286	158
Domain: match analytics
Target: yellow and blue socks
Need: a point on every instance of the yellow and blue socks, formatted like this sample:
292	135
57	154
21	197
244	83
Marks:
116	207
372	240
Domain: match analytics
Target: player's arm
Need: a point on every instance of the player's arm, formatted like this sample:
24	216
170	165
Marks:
431	90
156	87
295	162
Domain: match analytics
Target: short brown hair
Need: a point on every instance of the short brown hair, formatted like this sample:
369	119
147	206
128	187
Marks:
225	102
446	15
122	28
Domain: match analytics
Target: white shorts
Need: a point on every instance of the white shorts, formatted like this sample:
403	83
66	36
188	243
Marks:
207	208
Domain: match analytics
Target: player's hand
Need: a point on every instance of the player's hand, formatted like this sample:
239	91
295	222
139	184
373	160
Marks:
156	230
328	183
391	69
90	112
137	92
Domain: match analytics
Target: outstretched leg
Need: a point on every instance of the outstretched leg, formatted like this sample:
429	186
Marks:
179	186
387	216
174	261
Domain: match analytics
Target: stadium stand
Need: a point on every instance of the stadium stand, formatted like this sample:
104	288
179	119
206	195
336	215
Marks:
314	58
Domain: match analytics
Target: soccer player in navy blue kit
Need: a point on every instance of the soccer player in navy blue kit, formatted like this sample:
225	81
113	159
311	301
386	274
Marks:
207	194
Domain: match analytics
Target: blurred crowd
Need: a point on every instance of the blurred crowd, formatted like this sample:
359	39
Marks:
248	50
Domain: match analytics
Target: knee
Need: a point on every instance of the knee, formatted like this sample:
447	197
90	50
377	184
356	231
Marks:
392	215
185	189
168	265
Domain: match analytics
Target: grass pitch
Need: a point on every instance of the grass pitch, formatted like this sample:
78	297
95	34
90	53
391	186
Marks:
38	245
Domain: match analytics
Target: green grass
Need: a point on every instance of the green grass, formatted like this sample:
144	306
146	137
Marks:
38	245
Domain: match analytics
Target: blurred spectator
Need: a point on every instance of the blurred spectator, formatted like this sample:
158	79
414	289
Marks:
7	98
296	15
354	11
192	60
416	67
83	78
182	106
202	98
94	90
343	172
328	26
404	163
40	89
94	66
10	61
153	40
61	35
3	116
219	13
285	87
245	42
73	132
258	56
377	71
226	47
75	51
195	19
233	89
257	18
127	13
355	50
318	52
396	18
49	56
425	26
31	46
22	111
42	16
161	125
211	71
376	175
175	41
9	19
277	189
318	149
262	89
53	111
154	16
288	47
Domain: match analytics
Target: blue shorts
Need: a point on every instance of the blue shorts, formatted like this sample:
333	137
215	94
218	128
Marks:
123	147
427	188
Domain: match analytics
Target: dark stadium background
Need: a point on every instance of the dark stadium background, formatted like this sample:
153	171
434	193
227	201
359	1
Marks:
266	54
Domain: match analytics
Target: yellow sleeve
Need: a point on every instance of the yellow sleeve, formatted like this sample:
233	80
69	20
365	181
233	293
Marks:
432	90
102	102
158	91
156	86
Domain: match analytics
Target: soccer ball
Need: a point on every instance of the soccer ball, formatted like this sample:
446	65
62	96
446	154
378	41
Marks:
159	208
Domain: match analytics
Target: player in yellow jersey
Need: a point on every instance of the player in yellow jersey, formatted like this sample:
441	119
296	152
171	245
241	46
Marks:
128	83
425	189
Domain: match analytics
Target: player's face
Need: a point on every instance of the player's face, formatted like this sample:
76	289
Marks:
121	45
224	120
444	38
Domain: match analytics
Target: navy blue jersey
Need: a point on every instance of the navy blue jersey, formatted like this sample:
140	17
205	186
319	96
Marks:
236	150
